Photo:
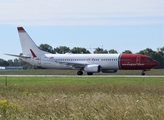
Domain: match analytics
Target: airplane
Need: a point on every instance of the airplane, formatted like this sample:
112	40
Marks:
89	63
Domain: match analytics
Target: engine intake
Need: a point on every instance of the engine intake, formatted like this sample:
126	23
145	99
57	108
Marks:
92	68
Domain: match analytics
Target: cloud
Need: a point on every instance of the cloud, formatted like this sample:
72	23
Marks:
81	12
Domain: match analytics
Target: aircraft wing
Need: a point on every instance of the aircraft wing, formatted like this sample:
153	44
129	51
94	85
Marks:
71	64
20	56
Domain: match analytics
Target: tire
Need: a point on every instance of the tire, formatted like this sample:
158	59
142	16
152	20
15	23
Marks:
79	73
89	73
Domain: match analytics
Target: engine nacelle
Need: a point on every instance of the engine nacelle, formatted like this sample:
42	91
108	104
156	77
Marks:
92	68
109	71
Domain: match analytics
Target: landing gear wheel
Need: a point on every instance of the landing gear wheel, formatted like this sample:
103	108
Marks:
79	73
142	73
89	73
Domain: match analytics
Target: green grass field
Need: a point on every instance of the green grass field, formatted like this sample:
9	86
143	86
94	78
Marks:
81	98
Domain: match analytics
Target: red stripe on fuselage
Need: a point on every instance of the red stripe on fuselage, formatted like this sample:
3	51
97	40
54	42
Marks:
33	54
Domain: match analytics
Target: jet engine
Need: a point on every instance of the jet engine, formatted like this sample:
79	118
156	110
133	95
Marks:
92	68
109	71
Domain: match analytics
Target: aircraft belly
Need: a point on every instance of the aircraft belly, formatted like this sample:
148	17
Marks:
110	65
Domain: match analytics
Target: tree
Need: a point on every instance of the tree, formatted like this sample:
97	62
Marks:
127	51
46	47
112	51
11	63
3	63
79	50
148	51
160	52
61	49
16	62
161	49
100	51
155	55
19	62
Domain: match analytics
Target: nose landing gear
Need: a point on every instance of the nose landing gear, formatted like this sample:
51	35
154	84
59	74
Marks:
143	71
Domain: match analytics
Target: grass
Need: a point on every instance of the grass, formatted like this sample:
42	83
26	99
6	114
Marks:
81	98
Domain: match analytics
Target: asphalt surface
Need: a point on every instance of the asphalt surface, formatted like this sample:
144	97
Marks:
84	75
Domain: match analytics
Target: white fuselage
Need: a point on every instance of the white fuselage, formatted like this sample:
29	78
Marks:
61	61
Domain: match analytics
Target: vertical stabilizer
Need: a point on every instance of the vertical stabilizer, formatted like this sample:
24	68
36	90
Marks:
27	43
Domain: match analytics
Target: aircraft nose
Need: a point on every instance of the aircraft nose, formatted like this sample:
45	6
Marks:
156	63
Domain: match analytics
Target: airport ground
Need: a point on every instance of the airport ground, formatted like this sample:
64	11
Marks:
70	97
158	72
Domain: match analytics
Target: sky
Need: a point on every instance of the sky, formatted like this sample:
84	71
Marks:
109	24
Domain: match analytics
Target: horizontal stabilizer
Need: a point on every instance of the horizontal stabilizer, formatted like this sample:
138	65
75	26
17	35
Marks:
20	56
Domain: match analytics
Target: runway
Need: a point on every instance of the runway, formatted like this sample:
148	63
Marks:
82	76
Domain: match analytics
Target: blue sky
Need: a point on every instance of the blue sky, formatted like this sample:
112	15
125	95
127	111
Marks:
120	25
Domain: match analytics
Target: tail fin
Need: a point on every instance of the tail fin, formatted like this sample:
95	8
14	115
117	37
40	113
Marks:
27	43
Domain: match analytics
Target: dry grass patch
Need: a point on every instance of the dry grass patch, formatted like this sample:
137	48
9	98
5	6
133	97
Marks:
82	98
85	102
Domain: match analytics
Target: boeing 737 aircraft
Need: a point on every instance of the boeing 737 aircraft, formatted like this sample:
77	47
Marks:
90	63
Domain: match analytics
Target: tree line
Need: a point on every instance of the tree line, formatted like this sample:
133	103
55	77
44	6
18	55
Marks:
157	55
76	50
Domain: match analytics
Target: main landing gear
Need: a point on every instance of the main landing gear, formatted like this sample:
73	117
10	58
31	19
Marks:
79	72
89	73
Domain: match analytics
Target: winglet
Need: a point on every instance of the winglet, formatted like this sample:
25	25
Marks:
33	54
